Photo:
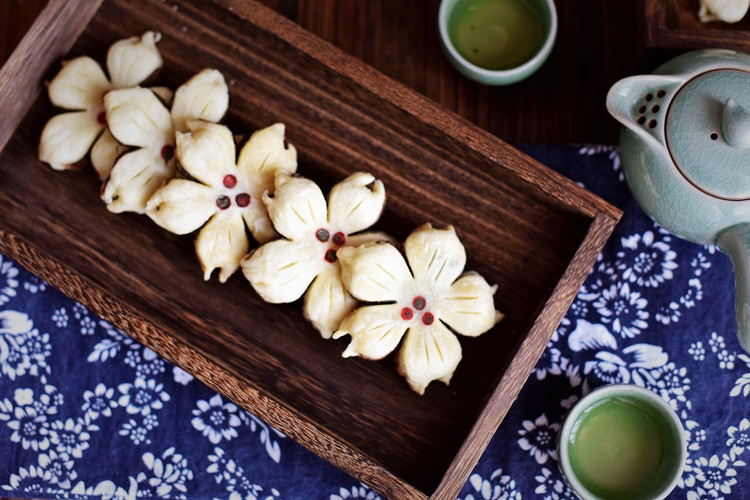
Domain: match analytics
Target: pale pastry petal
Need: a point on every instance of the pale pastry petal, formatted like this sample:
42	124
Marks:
136	117
468	306
436	256
206	152
132	60
164	94
327	302
134	179
181	206
265	153
259	224
297	207
221	244
428	353
105	152
374	272
80	84
204	97
375	331
356	202
355	240
66	139
728	11
280	271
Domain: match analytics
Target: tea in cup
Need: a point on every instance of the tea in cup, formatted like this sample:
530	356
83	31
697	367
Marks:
622	441
497	42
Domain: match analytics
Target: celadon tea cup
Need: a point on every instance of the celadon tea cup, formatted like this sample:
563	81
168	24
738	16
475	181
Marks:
622	441
497	42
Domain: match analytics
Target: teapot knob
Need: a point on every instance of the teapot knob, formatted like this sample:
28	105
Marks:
735	124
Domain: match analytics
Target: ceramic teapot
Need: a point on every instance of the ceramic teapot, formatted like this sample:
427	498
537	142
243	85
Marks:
685	151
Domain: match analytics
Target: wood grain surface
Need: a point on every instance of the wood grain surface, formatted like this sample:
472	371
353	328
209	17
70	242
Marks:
674	24
599	42
525	228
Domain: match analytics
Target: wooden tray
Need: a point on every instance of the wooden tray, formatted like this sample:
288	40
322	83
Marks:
674	24
526	228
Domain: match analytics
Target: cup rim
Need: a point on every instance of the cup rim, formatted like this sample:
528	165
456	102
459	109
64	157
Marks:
511	74
602	393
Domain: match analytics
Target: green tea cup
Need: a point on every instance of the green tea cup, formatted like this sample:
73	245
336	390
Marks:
622	441
497	42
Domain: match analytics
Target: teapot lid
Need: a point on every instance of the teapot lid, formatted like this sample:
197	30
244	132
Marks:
707	132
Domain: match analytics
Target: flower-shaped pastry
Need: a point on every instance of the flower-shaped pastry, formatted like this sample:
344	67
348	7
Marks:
282	270
137	117
80	86
226	194
426	299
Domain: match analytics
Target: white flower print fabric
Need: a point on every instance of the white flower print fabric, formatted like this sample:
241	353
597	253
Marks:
86	412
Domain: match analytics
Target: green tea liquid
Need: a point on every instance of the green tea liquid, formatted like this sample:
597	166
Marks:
496	34
617	449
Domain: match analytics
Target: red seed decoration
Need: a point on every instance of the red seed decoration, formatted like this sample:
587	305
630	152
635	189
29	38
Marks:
223	202
322	235
428	318
419	302
102	118
339	238
407	313
242	200
167	152
331	256
230	181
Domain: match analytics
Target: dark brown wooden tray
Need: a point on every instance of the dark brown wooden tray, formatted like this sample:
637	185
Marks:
525	228
674	24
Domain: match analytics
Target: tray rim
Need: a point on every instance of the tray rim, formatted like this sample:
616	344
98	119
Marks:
710	35
60	25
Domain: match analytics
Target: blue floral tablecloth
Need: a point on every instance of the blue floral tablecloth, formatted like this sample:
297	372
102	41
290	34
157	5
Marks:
85	412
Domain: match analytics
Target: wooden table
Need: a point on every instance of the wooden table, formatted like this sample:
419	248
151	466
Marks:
599	42
350	115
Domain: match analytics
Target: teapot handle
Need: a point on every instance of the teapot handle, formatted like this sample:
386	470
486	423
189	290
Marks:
735	242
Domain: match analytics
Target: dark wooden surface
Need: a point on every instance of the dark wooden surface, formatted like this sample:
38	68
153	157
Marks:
341	116
675	25
599	41
16	17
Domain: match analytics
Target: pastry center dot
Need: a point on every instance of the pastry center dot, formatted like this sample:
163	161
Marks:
339	238
242	200
167	152
229	181
223	202
417	310
330	256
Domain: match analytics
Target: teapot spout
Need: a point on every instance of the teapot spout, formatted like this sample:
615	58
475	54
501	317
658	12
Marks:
640	103
735	242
